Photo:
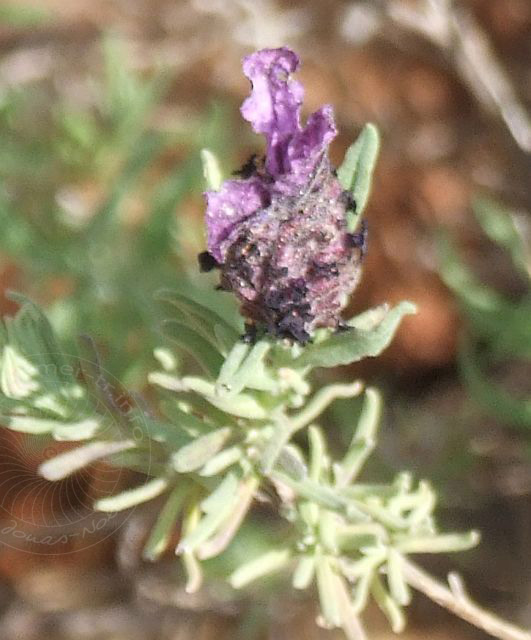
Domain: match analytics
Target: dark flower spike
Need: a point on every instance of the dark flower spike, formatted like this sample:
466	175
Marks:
279	233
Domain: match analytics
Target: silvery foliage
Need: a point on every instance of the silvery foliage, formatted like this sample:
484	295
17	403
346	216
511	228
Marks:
249	428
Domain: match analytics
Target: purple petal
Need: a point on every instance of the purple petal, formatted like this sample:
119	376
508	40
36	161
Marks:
235	201
274	104
306	148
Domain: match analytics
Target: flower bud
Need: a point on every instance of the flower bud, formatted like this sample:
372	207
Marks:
279	232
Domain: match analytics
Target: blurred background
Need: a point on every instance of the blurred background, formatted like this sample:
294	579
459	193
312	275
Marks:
104	106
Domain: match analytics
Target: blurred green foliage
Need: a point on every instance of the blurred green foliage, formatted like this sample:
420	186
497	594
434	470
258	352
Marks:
222	441
15	15
70	178
498	327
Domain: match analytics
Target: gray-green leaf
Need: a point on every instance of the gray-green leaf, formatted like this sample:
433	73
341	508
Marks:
268	563
197	453
69	462
160	535
499	224
355	174
354	345
132	497
195	344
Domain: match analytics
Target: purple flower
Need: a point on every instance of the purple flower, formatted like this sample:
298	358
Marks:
278	233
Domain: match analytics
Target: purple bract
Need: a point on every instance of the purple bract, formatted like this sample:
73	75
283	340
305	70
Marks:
278	233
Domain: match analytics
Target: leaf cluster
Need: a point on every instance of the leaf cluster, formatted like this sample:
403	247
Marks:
247	428
70	176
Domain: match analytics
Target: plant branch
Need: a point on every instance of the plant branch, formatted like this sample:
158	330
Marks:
455	599
455	31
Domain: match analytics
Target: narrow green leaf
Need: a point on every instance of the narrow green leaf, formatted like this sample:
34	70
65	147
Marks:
317	452
238	381
221	461
356	536
280	437
192	566
398	587
225	338
243	405
133	497
211	169
328	523
194	344
361	591
217	507
192	424
270	562
485	307
193	323
496	400
369	319
350	622
230	527
442	543
150	428
304	573
18	377
35	337
370	562
194	573
161	533
76	431
202	317
286	427
222	494
355	174
69	462
291	460
364	439
203	400
321	400
374	508
326	586
197	453
354	345
322	495
499	224
388	605
30	424
232	363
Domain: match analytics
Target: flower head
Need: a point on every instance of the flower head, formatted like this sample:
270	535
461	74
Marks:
278	232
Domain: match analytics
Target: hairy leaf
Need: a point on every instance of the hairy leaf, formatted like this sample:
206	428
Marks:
351	346
133	497
197	453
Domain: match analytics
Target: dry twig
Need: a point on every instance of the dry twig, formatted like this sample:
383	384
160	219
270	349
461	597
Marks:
455	31
455	599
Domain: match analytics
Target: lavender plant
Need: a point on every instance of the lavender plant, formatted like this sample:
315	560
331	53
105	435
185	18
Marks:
288	240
